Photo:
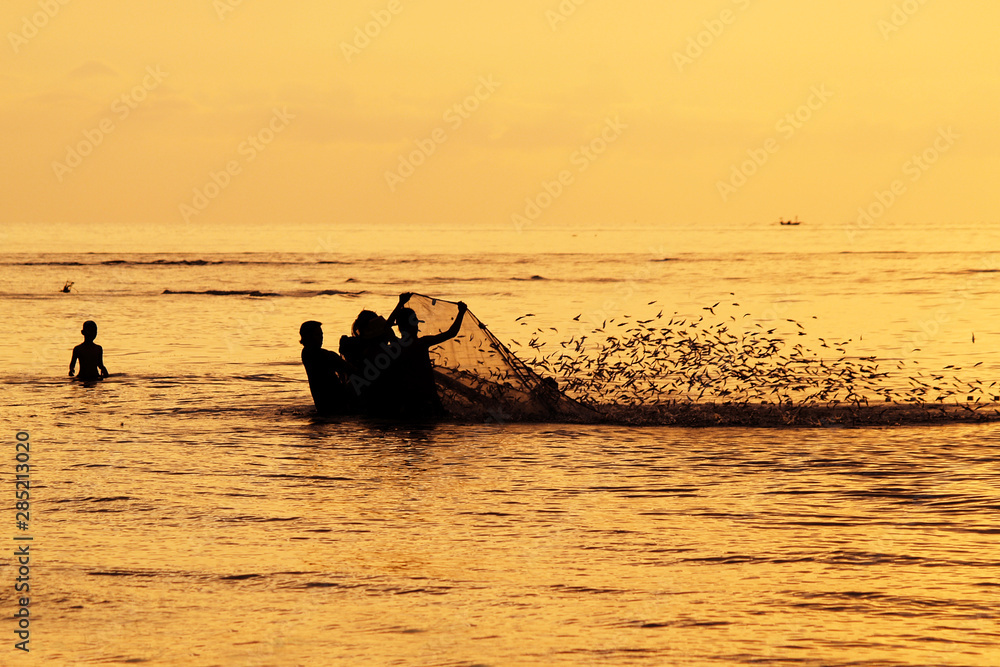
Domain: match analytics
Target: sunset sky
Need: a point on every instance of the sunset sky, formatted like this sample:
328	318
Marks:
163	98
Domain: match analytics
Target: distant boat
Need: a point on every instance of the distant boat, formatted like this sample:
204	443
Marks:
788	223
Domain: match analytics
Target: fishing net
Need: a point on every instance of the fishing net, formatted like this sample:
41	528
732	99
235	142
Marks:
684	371
479	378
736	371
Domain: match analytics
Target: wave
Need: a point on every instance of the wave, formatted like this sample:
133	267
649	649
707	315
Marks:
695	414
185	262
260	293
493	259
221	292
154	262
705	415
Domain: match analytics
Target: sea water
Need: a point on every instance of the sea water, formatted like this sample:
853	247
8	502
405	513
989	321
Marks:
191	510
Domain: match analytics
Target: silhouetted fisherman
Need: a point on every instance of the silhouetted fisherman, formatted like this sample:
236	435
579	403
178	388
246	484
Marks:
327	373
89	354
371	350
414	389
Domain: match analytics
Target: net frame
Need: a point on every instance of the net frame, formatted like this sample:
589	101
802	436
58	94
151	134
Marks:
479	377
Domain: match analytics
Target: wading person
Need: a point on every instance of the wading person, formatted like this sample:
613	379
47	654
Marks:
89	354
371	350
327	373
414	392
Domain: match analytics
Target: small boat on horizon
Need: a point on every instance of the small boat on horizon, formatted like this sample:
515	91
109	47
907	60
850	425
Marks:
788	223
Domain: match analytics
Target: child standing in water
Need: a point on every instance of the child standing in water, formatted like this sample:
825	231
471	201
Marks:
90	355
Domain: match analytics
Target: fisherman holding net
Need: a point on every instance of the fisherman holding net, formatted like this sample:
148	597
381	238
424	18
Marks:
416	394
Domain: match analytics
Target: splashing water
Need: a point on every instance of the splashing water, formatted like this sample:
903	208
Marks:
676	369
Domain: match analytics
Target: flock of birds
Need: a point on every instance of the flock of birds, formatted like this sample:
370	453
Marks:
733	361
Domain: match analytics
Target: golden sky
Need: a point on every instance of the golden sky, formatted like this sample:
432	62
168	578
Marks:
540	112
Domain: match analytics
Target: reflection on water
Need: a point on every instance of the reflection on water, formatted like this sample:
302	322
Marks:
190	511
185	523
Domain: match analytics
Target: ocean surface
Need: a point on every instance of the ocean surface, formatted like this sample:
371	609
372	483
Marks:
192	510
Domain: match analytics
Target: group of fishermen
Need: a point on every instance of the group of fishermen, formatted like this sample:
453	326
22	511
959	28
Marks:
377	371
